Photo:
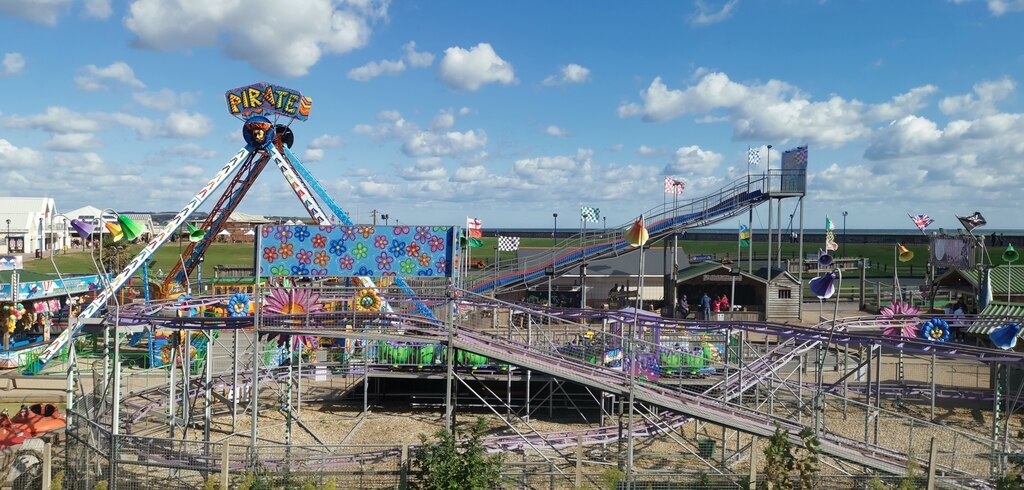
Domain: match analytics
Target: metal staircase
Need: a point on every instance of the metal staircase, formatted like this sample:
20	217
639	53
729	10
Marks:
662	221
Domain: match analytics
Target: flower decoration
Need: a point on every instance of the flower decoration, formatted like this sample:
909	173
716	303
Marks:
266	230
301	233
384	261
327	229
300	270
366	230
436	243
442	266
397	248
292	301
367	299
360	251
400	230
413	249
425	272
422	234
270	254
899	322
424	260
238	305
935	329
304	256
408	266
279	270
380	242
346	262
286	250
283	234
321	258
364	271
318	272
319	241
348	233
337	247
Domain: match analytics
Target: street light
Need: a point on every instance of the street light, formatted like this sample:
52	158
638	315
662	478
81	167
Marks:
385	218
8	235
844	233
554	233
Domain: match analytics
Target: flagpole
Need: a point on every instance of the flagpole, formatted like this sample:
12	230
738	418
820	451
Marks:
583	262
750	222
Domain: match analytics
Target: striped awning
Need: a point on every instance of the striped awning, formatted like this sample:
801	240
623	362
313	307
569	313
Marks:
995	315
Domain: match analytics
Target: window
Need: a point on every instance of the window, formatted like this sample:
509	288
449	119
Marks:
784	293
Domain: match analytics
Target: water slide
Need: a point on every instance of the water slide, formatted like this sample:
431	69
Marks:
662	221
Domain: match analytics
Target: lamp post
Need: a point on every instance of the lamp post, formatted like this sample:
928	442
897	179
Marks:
554	232
8	236
385	218
844	234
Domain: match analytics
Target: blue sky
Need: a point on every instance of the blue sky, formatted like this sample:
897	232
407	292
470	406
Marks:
508	111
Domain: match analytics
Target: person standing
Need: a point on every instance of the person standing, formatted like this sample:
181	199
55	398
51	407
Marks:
705	307
724	303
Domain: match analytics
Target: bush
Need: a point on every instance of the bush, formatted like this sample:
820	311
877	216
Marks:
447	464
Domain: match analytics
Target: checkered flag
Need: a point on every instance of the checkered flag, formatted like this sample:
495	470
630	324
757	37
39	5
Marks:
508	243
589	214
753	156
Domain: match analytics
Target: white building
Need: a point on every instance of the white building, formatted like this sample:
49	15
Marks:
30	224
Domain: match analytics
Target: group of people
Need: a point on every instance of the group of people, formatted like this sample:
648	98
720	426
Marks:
708	305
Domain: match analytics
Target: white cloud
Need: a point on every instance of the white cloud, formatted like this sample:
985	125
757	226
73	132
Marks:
450	143
708	14
313	155
471	69
648	151
41	11
189	150
277	44
374	69
571	73
315	150
691	160
556	131
55	120
181	124
772	111
94	78
438	141
326	141
72	142
417	59
982	101
165	100
470	174
13	157
13	65
556	170
616	147
1000	7
99	9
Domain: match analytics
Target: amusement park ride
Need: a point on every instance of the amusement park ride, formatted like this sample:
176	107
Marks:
640	363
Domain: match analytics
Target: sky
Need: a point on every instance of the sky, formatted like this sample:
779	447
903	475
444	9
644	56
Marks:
432	111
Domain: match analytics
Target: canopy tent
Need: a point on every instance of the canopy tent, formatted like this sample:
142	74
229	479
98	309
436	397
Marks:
224	233
250	233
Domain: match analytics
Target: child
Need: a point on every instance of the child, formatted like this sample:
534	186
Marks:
724	303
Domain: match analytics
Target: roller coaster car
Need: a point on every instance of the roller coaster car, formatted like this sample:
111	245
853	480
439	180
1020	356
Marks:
478	263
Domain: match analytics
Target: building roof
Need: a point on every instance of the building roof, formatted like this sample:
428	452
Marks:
699	269
999	275
238	216
1001	313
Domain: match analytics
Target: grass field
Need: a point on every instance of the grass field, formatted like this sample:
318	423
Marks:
237	254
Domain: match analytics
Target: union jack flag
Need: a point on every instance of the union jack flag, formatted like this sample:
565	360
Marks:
922	221
674	186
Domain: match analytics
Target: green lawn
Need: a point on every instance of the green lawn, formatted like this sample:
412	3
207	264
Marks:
881	255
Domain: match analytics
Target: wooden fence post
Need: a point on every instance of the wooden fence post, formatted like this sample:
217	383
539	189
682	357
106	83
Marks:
47	465
579	462
225	468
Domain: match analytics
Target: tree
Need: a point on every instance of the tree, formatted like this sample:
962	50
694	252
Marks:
781	459
448	464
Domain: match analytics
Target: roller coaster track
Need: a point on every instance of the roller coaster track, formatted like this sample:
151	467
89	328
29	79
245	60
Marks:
662	221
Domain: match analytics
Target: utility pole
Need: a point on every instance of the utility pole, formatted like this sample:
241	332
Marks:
374	215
